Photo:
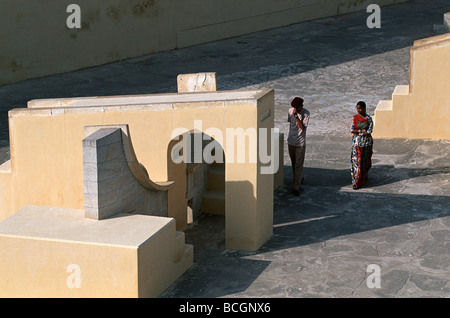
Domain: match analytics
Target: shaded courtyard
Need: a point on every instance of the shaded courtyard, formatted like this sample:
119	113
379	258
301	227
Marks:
325	239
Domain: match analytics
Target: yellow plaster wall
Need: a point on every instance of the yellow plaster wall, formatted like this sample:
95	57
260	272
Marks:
420	110
5	189
265	202
429	98
36	40
49	267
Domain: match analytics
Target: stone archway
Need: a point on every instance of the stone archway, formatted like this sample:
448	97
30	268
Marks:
201	159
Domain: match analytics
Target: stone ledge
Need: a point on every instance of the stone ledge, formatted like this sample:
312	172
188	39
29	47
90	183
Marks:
401	90
384	105
5	167
67	225
145	100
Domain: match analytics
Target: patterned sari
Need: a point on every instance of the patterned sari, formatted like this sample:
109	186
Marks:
361	157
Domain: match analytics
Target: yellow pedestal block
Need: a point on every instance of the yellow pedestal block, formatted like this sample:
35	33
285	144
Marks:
55	252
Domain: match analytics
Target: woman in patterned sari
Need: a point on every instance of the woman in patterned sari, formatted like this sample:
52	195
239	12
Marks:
361	158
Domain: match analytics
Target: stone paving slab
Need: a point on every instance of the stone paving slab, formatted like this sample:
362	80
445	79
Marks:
325	239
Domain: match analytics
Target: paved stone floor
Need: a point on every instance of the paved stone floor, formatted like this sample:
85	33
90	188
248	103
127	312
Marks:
324	240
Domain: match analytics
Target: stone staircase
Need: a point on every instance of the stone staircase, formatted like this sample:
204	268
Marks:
418	110
386	115
213	200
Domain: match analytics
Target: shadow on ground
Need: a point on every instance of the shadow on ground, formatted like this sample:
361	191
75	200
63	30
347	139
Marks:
327	209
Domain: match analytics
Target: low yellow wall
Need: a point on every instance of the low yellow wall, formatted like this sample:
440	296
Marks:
35	39
420	110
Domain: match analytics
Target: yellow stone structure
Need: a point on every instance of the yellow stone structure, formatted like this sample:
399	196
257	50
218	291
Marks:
46	151
94	183
421	109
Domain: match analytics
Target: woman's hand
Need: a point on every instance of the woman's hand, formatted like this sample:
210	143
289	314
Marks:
361	132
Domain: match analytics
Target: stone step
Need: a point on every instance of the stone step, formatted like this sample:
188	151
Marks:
181	249
400	99
213	202
383	106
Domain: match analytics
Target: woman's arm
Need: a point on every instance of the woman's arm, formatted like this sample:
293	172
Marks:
360	131
352	127
363	132
370	128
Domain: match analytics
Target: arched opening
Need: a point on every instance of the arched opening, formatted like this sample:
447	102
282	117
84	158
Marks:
196	161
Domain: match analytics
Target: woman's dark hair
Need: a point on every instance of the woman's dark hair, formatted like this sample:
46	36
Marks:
362	104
